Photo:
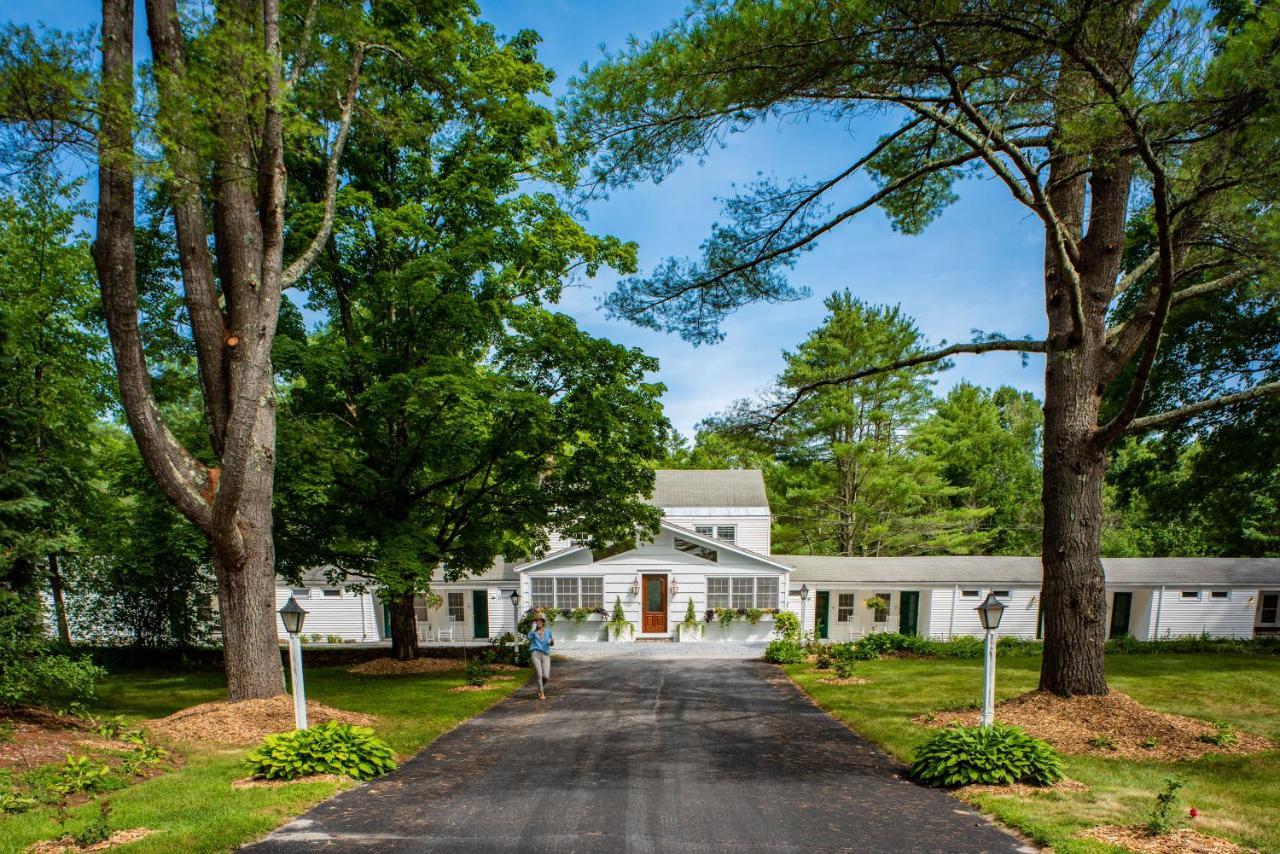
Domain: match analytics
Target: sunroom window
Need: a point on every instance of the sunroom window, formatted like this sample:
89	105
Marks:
696	550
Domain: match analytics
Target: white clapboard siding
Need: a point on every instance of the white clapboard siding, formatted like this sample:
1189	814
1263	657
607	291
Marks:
686	572
751	531
952	613
1173	615
347	615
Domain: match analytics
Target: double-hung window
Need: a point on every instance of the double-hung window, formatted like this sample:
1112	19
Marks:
542	593
566	592
592	592
725	533
846	604
766	592
717	591
457	609
882	614
746	591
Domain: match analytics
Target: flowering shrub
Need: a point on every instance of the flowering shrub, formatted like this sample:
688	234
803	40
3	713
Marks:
787	626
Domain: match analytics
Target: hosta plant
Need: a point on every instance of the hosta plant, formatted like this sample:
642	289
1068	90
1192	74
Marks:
328	748
998	754
784	652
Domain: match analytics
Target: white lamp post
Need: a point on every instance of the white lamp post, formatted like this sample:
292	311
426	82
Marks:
989	612
292	615
804	597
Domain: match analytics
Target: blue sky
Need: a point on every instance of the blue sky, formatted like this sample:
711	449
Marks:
978	267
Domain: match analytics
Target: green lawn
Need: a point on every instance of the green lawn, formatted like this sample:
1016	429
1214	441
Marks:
194	807
1238	797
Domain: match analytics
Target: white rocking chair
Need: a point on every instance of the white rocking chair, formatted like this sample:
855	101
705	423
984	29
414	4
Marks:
445	634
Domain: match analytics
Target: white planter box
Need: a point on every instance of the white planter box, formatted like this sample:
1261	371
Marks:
693	634
569	631
627	635
741	630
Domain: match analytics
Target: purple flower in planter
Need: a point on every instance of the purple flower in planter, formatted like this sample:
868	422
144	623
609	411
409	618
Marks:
742	612
710	615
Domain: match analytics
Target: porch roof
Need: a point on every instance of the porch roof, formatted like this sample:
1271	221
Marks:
949	570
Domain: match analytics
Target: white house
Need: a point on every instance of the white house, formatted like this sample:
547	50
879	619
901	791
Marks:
713	550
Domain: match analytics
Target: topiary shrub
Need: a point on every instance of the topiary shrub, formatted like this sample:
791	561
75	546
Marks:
998	754
784	652
328	748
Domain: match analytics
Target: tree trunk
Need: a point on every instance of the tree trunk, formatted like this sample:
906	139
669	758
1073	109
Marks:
59	605
404	628
1073	594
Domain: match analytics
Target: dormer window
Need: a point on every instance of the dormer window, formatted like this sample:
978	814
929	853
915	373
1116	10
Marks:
725	533
696	549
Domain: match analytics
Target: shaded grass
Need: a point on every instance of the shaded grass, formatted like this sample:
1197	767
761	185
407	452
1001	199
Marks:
195	809
1237	797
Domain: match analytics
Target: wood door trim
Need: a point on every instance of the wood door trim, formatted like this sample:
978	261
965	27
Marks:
644	604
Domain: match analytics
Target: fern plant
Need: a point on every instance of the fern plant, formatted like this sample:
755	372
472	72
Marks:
328	748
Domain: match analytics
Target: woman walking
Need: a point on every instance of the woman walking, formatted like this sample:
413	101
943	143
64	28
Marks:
540	643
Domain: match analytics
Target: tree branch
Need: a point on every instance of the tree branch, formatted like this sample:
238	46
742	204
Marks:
1163	419
299	267
208	326
183	479
1189	293
975	347
803	240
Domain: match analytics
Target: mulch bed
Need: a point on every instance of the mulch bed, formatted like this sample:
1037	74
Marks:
846	680
41	737
1185	841
67	846
1069	724
244	723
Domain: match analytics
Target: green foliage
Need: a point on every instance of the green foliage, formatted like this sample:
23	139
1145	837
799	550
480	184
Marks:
786	625
1224	735
726	616
618	621
30	671
82	774
754	615
329	748
783	651
998	754
1102	742
1165	817
54	375
110	727
1150	743
1201	643
477	672
12	802
97	829
443	416
845	668
579	615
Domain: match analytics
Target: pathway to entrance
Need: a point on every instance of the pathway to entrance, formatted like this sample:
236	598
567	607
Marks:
641	755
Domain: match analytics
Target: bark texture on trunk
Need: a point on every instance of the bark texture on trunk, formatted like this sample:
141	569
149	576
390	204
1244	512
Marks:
59	604
404	628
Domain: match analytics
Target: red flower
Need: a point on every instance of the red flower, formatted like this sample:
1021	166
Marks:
1194	812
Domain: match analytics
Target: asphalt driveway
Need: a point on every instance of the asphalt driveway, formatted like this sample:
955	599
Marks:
646	755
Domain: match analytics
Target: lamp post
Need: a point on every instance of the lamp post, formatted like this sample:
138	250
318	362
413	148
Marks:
804	598
292	615
989	612
515	610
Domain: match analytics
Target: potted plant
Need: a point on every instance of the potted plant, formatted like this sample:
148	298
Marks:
690	627
618	627
878	605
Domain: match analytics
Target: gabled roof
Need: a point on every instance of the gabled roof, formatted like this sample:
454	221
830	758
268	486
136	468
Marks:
708	488
683	533
977	570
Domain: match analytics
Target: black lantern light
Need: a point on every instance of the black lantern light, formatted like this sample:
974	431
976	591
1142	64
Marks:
990	612
804	592
293	615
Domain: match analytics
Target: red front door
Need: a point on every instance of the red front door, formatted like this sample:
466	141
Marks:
654	617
